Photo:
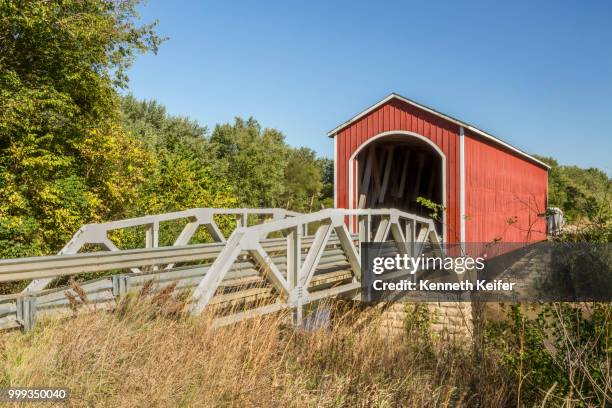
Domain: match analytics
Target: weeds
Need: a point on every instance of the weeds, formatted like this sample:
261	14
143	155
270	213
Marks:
144	353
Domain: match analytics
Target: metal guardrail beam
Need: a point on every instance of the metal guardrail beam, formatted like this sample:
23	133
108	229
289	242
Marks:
104	292
62	265
198	217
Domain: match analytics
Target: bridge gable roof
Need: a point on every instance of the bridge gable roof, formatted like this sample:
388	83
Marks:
466	126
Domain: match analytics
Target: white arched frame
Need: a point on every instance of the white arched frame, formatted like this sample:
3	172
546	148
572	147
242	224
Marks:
353	170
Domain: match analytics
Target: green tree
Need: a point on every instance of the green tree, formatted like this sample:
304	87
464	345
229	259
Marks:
326	168
302	180
186	172
149	122
584	195
255	161
63	159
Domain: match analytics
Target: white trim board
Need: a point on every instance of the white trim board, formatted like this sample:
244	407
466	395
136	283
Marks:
462	188
335	173
482	133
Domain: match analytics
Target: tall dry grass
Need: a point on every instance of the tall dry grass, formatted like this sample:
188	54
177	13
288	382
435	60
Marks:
144	354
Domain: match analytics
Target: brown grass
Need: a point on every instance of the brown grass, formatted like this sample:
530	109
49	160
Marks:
142	356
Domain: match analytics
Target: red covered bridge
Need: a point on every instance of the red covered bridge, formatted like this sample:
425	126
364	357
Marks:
385	158
398	150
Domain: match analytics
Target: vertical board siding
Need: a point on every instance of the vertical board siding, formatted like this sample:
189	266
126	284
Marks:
504	194
397	115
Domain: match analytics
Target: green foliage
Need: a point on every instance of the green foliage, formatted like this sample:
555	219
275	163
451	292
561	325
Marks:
581	270
326	168
72	151
149	122
418	327
302	180
185	172
434	208
561	349
63	159
264	171
584	195
255	160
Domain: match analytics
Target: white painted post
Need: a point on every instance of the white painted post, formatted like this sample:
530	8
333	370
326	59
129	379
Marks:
410	235
294	261
462	189
152	238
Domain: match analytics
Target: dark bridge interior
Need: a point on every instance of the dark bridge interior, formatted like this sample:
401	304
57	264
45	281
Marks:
395	170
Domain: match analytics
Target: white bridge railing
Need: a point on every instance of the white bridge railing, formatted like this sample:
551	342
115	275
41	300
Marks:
98	234
407	230
286	260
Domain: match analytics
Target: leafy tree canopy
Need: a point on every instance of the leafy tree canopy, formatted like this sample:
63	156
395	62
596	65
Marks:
580	193
254	160
64	160
302	179
186	172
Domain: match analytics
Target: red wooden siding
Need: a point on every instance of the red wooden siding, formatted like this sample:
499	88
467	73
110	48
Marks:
504	191
398	115
501	186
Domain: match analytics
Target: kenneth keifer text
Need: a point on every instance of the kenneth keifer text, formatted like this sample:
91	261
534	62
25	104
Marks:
426	285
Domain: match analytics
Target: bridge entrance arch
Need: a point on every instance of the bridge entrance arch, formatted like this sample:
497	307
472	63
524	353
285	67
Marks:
393	169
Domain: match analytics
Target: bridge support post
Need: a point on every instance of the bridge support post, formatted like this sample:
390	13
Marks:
26	312
294	264
119	285
410	236
365	225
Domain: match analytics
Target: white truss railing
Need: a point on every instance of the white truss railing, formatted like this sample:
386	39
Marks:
405	229
294	267
97	234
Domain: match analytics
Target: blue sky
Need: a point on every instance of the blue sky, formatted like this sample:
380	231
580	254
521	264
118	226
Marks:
536	74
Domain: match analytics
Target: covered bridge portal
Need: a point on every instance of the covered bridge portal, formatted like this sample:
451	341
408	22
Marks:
398	150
